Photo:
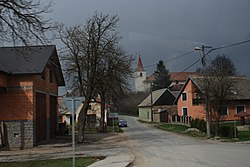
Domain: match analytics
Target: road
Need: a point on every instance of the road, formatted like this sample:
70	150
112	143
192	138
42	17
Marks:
156	148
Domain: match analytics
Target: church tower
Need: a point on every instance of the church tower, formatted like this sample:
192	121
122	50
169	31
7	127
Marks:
140	77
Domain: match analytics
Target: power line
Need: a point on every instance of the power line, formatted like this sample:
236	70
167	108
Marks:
231	45
179	73
222	47
177	57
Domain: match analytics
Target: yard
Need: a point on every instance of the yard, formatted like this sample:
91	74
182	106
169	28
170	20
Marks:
80	162
183	129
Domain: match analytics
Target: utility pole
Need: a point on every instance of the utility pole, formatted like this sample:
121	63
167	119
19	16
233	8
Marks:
151	99
203	61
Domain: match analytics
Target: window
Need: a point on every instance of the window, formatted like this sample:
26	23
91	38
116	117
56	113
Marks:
240	108
51	75
223	110
140	74
184	96
184	111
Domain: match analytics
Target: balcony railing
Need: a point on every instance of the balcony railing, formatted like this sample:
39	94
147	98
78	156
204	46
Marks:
198	101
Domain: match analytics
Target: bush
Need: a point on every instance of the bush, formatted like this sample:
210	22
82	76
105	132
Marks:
199	124
226	131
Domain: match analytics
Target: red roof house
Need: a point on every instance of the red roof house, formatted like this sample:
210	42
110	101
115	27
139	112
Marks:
190	100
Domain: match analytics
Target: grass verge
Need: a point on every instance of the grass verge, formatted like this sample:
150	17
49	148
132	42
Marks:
173	127
244	135
80	162
181	129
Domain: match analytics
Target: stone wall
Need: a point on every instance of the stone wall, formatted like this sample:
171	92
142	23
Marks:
19	134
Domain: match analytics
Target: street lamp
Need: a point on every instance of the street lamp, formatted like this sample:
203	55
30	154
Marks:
202	49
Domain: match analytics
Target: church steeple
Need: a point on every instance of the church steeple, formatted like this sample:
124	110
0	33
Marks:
140	77
139	64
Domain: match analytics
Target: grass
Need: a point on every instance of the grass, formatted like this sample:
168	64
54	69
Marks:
116	129
182	129
244	136
173	127
80	162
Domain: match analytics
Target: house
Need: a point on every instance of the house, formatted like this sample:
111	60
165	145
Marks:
143	82
158	104
190	100
29	80
65	108
94	109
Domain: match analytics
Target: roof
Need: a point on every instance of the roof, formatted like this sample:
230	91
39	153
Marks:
139	65
164	93
65	104
176	76
30	60
182	76
242	114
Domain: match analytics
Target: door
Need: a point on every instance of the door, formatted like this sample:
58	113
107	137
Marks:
40	117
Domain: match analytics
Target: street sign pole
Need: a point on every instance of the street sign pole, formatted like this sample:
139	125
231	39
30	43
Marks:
73	132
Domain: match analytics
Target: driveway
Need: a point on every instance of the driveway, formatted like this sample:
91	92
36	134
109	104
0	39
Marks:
156	148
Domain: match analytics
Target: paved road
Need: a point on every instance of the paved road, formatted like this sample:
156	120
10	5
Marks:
156	148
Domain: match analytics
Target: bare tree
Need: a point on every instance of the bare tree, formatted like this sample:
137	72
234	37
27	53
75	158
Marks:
22	21
87	50
114	73
220	85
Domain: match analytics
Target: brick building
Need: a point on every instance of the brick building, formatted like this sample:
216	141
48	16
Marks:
29	80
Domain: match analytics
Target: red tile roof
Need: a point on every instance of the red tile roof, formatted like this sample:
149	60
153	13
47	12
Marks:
182	76
139	65
176	76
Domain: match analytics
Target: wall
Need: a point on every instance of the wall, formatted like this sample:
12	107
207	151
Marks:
232	109
3	79
195	111
198	111
20	134
18	107
48	88
145	114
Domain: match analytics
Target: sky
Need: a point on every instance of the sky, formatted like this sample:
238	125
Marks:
166	29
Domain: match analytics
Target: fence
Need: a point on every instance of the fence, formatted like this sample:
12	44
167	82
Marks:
181	119
1	134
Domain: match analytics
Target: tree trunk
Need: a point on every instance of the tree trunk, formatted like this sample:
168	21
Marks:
102	123
82	120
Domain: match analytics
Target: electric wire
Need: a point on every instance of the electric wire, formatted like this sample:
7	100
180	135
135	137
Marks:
177	57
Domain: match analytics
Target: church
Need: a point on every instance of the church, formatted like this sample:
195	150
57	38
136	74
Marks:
143	82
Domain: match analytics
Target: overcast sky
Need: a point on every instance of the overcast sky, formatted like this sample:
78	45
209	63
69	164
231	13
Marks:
165	29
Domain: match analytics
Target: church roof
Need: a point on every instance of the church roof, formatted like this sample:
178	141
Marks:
139	65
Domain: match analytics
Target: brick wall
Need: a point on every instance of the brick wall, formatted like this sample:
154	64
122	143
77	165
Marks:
18	106
17	102
3	79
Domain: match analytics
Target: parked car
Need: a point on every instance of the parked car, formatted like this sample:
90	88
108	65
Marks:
123	123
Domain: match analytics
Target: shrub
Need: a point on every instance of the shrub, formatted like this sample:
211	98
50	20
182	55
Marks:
227	131
199	124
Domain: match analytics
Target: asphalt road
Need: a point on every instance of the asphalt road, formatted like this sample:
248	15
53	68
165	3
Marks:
156	148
